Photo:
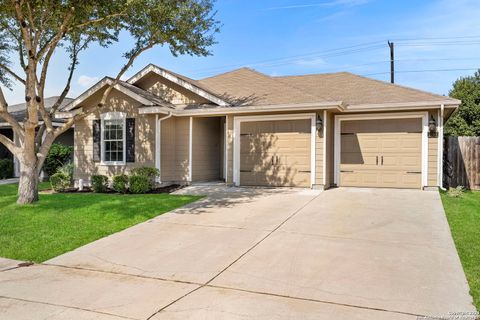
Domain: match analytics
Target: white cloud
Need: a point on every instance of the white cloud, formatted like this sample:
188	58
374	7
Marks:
335	3
311	62
86	81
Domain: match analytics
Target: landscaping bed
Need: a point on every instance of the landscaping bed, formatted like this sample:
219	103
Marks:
158	190
61	222
463	214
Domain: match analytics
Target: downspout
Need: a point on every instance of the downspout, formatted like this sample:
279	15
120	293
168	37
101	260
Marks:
440	145
158	143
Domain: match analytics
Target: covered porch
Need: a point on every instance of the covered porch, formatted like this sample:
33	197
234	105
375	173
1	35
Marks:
190	149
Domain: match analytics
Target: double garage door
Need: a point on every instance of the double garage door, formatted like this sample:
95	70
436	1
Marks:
275	153
381	153
374	153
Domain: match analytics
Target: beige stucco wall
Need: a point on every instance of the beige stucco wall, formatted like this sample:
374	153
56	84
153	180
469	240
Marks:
433	155
325	137
168	90
167	150
174	150
182	128
319	141
229	138
206	149
144	137
330	166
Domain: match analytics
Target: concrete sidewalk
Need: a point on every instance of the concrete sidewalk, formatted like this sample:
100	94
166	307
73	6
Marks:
9	181
258	254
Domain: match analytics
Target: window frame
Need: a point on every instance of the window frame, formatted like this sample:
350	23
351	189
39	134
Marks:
113	116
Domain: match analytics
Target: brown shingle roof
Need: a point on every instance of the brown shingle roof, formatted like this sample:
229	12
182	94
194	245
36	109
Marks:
19	111
353	89
251	87
248	87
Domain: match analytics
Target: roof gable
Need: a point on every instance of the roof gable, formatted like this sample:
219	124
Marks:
144	97
185	82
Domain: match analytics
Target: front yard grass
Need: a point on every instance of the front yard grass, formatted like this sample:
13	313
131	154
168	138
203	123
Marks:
62	222
463	215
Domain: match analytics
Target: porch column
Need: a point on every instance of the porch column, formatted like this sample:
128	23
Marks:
16	162
158	129
190	149
42	173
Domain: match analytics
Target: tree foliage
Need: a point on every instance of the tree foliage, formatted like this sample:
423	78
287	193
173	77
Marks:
466	120
32	30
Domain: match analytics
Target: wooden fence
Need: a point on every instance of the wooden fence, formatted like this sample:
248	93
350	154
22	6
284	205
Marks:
461	162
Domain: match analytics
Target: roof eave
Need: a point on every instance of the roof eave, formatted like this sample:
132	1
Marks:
397	106
337	105
98	86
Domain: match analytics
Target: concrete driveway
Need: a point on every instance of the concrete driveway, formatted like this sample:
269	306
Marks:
258	254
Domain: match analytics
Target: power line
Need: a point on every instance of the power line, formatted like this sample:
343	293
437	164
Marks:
437	38
423	71
369	46
345	67
330	52
428	44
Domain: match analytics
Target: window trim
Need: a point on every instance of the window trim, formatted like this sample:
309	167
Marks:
112	116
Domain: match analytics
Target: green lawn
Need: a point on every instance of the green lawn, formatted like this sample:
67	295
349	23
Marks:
62	222
464	217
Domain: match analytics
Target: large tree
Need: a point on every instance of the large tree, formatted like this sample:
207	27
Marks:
31	31
466	120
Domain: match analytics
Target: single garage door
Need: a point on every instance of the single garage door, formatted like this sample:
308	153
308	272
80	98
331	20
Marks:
275	153
381	153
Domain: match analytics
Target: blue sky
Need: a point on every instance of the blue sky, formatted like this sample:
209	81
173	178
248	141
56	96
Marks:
287	37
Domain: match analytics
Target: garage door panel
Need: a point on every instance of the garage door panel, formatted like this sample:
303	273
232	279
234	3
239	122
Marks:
275	153
398	153
401	161
382	179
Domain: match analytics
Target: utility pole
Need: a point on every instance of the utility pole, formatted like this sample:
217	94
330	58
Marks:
392	62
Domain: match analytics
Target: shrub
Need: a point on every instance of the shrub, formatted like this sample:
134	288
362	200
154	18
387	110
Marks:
139	184
6	169
66	169
58	155
99	183
120	183
150	172
60	181
455	192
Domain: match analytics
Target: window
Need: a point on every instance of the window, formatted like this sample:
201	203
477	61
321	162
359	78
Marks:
113	138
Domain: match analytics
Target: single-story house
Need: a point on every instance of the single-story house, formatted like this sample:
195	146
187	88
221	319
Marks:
19	113
250	129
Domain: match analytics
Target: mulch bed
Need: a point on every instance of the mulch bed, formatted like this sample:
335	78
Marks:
165	189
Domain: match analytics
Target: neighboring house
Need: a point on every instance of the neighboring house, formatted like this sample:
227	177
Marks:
19	112
247	128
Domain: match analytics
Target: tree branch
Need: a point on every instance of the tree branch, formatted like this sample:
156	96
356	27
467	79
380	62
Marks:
91	22
23	25
13	74
36	36
8	117
122	71
51	45
66	89
39	135
85	113
9	144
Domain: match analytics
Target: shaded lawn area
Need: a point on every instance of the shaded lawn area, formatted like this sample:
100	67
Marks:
463	215
62	222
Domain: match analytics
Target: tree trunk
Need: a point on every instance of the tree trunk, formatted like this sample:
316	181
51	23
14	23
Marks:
28	185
